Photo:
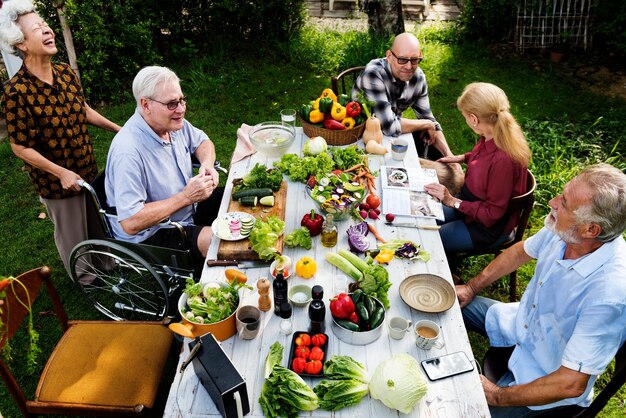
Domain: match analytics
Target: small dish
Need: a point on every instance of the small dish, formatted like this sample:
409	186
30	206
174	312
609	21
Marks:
286	272
292	353
427	293
229	226
295	295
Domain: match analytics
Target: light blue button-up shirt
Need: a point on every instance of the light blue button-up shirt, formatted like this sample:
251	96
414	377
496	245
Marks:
142	168
572	314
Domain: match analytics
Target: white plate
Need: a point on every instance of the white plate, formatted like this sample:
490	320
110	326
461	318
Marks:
427	293
221	226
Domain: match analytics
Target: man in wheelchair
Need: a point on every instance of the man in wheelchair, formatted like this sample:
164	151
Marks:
149	175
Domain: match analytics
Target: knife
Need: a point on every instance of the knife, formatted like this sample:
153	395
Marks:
240	264
413	225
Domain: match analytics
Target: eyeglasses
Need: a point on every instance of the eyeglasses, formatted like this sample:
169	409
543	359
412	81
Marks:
173	105
402	60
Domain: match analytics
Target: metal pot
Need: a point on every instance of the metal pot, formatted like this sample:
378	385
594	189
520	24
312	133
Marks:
359	337
222	330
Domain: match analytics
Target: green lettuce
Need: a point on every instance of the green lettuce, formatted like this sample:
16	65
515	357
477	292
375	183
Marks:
375	282
284	393
264	236
300	169
274	357
345	367
300	238
398	383
337	394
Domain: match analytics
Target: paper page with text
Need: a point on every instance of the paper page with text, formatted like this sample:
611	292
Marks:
403	192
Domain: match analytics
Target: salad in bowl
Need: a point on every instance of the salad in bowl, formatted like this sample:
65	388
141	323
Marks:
336	193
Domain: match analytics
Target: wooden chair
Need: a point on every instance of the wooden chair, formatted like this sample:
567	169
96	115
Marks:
96	368
495	366
523	205
353	72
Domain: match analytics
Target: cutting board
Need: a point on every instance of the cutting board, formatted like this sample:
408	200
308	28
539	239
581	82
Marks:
241	250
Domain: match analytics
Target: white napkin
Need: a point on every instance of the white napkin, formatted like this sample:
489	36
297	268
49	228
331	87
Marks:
244	147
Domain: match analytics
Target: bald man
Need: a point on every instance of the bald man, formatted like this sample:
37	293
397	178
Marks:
396	83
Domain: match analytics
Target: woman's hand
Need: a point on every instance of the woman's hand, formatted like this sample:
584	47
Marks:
69	180
439	191
452	159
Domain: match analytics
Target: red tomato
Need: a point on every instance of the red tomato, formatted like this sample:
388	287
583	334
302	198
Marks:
298	365
313	367
373	201
318	340
303	339
303	351
316	354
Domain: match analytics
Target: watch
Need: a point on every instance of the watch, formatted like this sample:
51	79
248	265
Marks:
457	204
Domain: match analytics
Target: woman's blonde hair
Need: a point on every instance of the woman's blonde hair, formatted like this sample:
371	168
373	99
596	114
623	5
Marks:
489	104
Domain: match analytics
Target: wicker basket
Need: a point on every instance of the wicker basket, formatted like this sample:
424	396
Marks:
345	137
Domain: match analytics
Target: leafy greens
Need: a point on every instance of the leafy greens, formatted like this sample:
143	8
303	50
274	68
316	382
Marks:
259	177
300	238
264	236
300	169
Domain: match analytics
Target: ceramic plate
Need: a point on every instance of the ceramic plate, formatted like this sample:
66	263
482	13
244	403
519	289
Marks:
427	293
229	226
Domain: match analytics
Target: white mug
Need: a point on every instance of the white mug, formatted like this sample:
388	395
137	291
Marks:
427	335
398	327
399	146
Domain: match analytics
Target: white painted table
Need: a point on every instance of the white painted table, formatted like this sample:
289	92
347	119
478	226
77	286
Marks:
458	396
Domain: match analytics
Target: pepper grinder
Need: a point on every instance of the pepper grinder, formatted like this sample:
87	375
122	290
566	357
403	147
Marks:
265	303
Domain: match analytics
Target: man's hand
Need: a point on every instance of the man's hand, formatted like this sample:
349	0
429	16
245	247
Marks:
209	170
69	180
465	293
491	390
199	188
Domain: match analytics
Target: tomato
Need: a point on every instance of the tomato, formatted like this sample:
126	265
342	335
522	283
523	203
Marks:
316	354
303	339
298	365
373	201
313	367
318	340
303	351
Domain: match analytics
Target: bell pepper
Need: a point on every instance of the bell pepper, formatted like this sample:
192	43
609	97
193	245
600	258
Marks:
306	267
384	256
329	93
313	222
343	99
325	104
305	110
354	318
313	367
333	125
348	123
338	112
341	306
303	339
318	340
298	365
316	116
316	354
353	109
303	351
316	103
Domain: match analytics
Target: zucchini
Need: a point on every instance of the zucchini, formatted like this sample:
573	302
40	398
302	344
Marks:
259	193
344	265
267	200
377	317
354	259
248	200
348	325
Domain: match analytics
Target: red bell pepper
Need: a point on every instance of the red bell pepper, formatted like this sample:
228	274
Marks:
313	222
314	367
303	352
298	365
354	318
333	125
303	339
318	340
353	109
316	354
341	306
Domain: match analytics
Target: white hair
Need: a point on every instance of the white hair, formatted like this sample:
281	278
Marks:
10	32
149	79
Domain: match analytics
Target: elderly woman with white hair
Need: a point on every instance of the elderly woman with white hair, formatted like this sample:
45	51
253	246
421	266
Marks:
47	118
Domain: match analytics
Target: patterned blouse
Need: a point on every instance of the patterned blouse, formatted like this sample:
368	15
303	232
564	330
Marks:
52	120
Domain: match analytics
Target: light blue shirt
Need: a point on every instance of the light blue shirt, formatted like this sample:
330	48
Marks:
572	314
142	168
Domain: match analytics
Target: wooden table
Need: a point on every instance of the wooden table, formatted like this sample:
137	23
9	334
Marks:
458	396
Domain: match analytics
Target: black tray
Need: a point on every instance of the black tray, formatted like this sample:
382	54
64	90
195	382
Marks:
292	352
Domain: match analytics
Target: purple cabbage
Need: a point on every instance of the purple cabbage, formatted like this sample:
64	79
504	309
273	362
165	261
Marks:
357	237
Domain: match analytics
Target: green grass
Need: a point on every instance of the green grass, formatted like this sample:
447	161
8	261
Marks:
566	126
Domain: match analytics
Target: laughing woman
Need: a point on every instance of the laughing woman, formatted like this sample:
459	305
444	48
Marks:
47	119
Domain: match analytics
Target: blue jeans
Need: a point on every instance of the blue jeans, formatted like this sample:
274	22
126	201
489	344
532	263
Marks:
454	234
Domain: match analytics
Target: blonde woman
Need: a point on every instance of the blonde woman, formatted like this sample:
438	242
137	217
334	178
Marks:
496	171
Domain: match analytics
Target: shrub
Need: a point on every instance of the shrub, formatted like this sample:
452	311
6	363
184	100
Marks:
488	20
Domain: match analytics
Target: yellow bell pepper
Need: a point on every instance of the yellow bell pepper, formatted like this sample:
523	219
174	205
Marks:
306	267
348	123
338	112
329	93
316	116
384	256
316	103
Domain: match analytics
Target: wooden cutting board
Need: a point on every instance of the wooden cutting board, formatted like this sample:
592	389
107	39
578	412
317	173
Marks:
241	250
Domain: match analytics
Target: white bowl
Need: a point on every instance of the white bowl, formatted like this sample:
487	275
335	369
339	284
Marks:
359	337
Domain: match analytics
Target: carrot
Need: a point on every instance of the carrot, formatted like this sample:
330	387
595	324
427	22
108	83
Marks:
376	234
232	274
354	167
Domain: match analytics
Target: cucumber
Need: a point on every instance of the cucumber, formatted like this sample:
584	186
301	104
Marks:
344	265
259	193
354	259
248	200
348	325
377	317
362	312
369	304
267	200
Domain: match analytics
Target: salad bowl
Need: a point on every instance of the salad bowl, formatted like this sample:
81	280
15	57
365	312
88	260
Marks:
336	194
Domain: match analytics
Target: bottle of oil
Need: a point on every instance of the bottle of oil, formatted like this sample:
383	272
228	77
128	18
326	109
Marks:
280	291
329	232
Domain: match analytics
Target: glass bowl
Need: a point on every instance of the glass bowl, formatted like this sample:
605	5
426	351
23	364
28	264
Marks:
272	139
336	194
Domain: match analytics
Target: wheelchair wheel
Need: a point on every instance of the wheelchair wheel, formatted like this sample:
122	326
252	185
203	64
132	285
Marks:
121	284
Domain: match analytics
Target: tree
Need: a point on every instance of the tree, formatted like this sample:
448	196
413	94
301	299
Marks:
384	17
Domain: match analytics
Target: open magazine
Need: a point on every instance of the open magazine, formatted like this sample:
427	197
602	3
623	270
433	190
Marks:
403	192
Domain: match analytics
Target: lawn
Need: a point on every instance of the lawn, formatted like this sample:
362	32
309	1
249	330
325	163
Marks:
567	127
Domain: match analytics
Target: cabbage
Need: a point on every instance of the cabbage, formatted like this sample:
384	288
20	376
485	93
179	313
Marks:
357	237
314	146
398	383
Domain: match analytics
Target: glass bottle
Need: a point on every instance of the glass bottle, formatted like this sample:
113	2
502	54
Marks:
329	232
317	311
280	291
285	314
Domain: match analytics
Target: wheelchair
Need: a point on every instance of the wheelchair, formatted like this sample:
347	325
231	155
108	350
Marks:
124	280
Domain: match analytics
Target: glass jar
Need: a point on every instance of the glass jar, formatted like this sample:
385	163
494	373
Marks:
329	232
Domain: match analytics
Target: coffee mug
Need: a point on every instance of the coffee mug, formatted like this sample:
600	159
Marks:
399	146
398	327
248	320
427	335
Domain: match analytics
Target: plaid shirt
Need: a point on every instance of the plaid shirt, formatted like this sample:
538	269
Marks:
393	96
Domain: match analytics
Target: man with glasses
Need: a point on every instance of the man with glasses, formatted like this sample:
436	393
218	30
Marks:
149	174
396	83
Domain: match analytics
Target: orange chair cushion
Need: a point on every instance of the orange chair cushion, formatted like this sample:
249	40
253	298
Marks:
107	363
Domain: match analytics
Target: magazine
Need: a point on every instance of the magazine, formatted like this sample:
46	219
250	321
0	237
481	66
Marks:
403	192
